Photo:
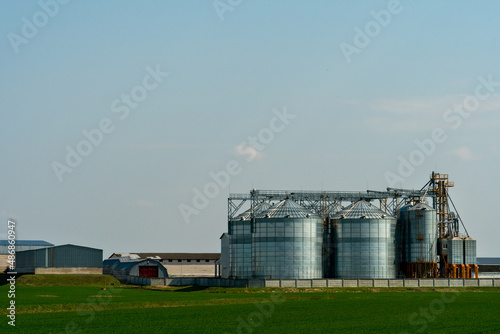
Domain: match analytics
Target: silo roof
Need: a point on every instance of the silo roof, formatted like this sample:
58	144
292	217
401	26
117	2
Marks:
333	209
287	209
260	207
421	206
406	207
361	209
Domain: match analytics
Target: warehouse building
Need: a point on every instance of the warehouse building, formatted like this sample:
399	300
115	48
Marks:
65	259
21	245
489	267
180	264
125	268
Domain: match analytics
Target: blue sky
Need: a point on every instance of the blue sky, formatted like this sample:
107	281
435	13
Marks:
227	78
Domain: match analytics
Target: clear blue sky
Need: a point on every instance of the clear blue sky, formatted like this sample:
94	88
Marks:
354	120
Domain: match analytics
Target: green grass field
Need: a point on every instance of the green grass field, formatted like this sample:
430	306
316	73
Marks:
55	308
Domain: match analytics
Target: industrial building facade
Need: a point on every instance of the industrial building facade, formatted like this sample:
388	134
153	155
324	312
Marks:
310	235
180	264
65	259
21	245
124	269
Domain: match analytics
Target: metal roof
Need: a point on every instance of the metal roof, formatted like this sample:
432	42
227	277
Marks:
287	209
124	264
488	261
168	256
27	243
420	206
60	246
260	207
361	209
333	209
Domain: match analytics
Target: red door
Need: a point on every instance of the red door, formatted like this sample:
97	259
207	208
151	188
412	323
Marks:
148	271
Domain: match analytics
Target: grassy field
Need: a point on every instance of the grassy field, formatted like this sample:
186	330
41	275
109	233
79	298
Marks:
55	308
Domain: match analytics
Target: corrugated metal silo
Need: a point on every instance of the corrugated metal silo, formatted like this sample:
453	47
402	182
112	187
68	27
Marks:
240	242
401	236
471	267
364	242
328	247
419	240
287	243
470	251
455	251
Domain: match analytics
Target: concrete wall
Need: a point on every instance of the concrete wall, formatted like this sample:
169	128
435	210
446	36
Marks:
69	271
183	281
190	269
308	283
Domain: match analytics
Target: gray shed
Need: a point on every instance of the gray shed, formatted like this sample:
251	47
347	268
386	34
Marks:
65	259
122	268
22	245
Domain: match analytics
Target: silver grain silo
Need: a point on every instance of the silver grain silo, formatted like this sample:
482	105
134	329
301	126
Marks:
471	267
419	242
287	243
469	251
364	242
332	209
240	242
455	251
328	246
401	236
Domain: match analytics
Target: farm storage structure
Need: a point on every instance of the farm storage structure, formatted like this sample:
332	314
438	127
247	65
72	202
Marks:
333	209
455	250
122	268
470	251
65	259
417	241
240	242
364	242
22	245
224	262
287	243
180	264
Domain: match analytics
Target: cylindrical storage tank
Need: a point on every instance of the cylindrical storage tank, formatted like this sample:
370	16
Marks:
401	233
332	209
421	234
364	242
329	211
240	242
455	251
287	243
470	251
